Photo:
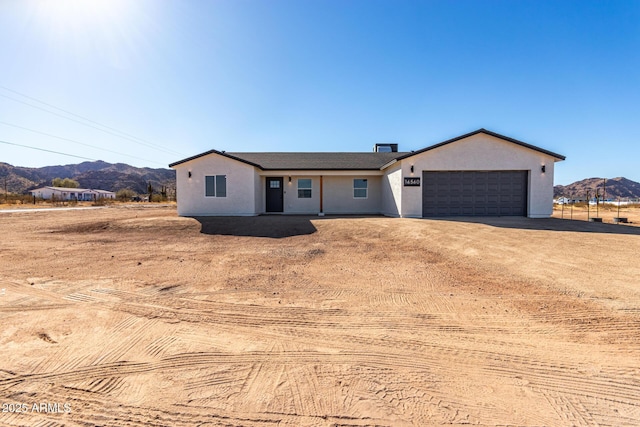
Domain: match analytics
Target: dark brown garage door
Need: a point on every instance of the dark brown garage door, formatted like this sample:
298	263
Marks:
474	193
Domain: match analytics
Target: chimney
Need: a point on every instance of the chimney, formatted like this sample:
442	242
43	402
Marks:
385	147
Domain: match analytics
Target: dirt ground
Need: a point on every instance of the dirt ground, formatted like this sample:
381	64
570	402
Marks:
131	316
607	213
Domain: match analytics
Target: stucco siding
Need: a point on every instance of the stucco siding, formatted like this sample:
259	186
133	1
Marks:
240	198
300	205
392	190
258	194
338	195
483	152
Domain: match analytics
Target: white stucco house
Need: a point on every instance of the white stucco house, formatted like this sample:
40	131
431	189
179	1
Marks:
65	193
481	173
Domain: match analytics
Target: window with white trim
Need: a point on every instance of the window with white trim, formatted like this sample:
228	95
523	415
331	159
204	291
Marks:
215	186
360	188
304	188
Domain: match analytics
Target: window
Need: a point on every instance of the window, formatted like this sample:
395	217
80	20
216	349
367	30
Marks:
304	188
360	187
215	186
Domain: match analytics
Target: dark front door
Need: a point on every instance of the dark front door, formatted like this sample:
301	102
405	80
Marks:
275	199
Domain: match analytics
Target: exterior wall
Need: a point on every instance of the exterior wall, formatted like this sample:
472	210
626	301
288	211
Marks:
295	205
392	191
334	183
240	199
258	195
45	193
338	195
484	153
80	194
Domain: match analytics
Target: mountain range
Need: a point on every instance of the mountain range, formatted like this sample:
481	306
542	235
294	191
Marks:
614	187
97	175
117	176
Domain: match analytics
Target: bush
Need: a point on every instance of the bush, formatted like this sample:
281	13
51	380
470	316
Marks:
125	195
17	199
103	201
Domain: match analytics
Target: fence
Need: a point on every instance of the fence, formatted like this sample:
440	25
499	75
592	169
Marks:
594	209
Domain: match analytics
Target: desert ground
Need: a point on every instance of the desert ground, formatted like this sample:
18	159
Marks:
133	316
607	213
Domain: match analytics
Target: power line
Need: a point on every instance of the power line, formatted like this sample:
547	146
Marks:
48	151
84	118
124	134
68	112
76	142
88	125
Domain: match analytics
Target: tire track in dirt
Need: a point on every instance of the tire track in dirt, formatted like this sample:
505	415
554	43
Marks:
126	323
566	410
294	317
613	384
261	322
197	360
87	408
27	297
239	316
127	339
105	385
231	377
79	374
62	360
160	346
570	383
79	297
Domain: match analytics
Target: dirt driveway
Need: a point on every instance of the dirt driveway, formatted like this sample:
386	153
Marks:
132	316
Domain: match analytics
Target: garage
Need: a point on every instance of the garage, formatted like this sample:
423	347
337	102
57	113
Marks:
474	193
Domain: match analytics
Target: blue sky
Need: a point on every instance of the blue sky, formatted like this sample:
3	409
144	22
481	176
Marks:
181	77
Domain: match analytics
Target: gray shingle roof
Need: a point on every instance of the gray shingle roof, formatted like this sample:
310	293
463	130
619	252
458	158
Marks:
344	161
318	161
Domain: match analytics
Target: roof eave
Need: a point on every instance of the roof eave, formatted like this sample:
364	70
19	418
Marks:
487	132
220	153
386	165
320	169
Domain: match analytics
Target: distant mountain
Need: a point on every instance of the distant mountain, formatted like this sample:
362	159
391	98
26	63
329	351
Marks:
615	187
99	175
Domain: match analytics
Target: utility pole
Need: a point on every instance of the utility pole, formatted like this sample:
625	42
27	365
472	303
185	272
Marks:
6	195
604	190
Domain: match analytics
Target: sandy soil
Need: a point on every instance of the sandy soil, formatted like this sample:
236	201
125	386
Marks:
129	316
607	213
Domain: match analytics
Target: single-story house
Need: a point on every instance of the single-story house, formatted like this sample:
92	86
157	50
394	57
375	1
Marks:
480	173
79	194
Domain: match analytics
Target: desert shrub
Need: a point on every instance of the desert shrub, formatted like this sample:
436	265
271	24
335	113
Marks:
125	195
17	199
103	202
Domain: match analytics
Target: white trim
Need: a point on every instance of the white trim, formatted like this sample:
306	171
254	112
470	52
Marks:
318	172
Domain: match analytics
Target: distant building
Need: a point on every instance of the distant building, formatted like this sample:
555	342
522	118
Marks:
78	194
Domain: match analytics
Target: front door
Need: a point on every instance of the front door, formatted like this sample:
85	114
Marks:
275	199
